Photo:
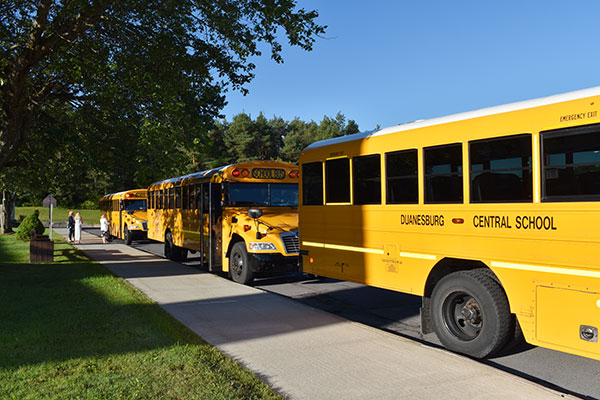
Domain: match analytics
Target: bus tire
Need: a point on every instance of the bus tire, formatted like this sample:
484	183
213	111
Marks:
516	338
182	254
169	248
128	236
470	313
240	266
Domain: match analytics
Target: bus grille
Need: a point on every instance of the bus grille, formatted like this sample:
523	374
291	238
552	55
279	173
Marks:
145	225
290	241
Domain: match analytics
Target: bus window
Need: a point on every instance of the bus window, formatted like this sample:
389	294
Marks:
402	177
500	169
571	164
263	194
216	197
312	184
171	198
177	196
134	205
366	179
337	180
205	197
443	174
198	196
184	197
284	194
248	194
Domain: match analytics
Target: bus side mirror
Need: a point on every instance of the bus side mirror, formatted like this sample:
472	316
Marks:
254	213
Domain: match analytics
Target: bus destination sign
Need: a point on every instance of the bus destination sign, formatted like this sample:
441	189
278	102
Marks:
268	173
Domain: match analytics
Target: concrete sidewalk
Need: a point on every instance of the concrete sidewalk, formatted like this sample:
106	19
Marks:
301	352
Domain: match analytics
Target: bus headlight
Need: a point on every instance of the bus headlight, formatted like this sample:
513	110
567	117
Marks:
259	246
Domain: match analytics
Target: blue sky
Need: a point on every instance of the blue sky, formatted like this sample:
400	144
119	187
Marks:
389	62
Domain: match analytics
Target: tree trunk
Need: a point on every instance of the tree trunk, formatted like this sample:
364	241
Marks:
6	212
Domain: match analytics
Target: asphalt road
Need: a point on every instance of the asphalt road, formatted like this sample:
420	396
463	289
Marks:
399	313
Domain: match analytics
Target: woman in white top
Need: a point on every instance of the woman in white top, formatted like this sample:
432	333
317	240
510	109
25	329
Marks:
103	228
78	223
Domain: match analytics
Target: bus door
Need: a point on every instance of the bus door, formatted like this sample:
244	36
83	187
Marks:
121	207
202	205
214	223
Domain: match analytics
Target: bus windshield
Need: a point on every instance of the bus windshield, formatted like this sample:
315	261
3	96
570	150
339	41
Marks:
135	205
263	194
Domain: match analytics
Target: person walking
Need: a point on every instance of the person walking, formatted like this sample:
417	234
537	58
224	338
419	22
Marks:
78	223
71	227
103	228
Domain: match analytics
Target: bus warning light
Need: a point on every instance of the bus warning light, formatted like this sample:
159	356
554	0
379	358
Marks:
458	221
247	228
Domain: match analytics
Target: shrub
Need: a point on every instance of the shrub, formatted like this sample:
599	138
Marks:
30	222
89	205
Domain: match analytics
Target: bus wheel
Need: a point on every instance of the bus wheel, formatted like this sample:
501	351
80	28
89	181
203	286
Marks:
169	248
183	254
470	313
239	264
128	236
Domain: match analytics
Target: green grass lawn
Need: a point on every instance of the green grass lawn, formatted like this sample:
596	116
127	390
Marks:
73	330
59	214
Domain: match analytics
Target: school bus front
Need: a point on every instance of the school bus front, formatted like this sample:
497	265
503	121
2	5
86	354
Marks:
242	219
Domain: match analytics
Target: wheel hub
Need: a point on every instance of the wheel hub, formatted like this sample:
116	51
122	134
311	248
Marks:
238	264
472	312
462	316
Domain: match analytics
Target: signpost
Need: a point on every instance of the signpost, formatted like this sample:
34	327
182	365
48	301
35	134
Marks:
49	201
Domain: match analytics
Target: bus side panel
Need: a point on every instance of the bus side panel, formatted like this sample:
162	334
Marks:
340	248
519	257
579	312
191	229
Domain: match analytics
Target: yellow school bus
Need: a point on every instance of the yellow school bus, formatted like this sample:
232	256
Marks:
241	218
491	216
126	214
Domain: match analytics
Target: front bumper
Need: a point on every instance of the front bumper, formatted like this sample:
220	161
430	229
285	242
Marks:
275	262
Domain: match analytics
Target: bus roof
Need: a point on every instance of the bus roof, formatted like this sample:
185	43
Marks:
520	105
121	194
195	175
211	172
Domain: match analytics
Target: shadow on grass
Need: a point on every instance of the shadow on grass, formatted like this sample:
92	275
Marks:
69	255
12	250
59	312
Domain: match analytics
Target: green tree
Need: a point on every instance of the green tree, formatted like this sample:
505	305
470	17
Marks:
247	140
135	82
301	134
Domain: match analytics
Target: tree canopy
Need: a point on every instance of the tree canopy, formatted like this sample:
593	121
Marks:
118	65
98	96
74	176
92	92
